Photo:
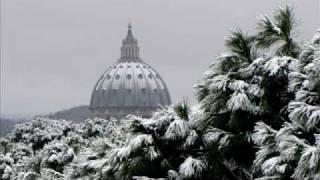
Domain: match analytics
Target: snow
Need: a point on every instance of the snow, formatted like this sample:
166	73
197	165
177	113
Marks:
173	175
309	162
178	129
288	147
255	90
135	144
219	83
304	114
295	79
254	67
272	165
191	139
263	133
140	141
217	136
191	168
279	66
238	85
58	148
153	153
316	37
6	164
313	120
240	101
146	178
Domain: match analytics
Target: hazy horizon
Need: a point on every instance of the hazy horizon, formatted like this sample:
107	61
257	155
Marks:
54	51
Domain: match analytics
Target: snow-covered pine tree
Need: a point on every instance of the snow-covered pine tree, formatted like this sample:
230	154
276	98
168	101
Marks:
49	149
164	146
92	161
6	164
278	32
293	152
243	86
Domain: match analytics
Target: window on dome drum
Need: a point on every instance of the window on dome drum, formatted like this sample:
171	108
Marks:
108	76
140	76
117	76
114	66
129	91
137	66
150	76
129	66
157	75
121	66
128	76
144	66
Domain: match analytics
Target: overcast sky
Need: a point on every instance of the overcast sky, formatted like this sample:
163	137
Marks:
53	51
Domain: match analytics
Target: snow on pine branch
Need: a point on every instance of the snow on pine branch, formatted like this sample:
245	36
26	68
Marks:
191	168
308	164
240	101
255	67
224	63
191	139
152	153
6	164
266	22
278	150
304	114
296	80
280	66
238	85
217	136
219	82
263	134
177	130
316	38
137	143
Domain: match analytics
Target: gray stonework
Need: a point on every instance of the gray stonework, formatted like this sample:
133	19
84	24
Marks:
130	86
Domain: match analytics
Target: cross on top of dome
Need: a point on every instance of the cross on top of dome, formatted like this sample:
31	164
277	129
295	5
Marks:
130	38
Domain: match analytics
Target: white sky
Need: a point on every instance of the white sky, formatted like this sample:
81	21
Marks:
53	51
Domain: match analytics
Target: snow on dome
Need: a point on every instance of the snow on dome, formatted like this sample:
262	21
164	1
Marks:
130	86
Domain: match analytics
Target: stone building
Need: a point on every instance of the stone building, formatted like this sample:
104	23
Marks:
130	86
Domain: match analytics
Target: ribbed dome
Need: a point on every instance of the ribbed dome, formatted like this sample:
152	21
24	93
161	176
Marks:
130	86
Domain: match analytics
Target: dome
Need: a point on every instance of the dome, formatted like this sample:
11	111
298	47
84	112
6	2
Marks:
130	86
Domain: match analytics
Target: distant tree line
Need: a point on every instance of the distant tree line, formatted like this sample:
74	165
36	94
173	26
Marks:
7	125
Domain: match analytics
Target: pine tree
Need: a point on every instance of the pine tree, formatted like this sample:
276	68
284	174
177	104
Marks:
278	32
164	146
293	152
6	164
243	86
49	149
